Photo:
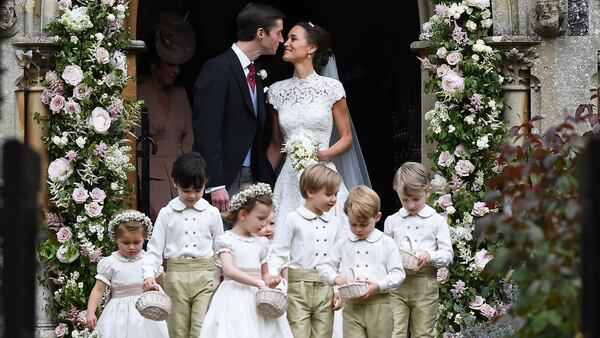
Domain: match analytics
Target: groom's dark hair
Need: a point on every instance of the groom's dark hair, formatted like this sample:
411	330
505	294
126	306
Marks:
256	15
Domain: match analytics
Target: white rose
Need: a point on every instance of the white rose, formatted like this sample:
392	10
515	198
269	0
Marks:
94	210
100	121
120	8
487	23
452	83
445	159
454	58
451	128
492	104
119	61
60	254
99	36
59	170
475	57
63	141
56	140
471	25
80	195
482	142
108	3
102	56
486	14
482	257
74	39
460	151
57	103
450	210
110	17
464	168
80	141
442	53
114	186
439	184
81	92
481	4
443	70
72	75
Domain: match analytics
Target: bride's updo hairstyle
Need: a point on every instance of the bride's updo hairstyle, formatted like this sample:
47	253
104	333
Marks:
319	37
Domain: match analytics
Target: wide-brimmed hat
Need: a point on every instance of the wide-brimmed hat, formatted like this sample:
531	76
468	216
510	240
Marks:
175	41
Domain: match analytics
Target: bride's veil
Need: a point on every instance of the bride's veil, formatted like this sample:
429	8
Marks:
351	165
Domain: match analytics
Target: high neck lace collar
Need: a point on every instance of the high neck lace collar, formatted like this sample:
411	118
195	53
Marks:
118	255
311	76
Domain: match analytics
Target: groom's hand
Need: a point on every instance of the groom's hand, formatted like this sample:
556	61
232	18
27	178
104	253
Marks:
220	199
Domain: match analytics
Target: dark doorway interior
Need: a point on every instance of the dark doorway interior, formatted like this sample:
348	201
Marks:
371	43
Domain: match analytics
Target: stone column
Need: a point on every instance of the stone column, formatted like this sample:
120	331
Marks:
516	67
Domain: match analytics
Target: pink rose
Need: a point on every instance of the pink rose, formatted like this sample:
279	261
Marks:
45	97
445	159
81	92
464	168
98	195
100	121
480	209
72	107
72	75
64	234
61	330
477	303
109	80
443	70
80	195
107	3
488	311
445	200
452	83
94	210
102	56
57	103
482	257
454	58
64	4
443	275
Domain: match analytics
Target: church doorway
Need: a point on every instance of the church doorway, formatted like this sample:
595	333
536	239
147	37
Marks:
371	44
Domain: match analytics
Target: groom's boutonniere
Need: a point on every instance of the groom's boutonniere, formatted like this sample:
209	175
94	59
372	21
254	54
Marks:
263	74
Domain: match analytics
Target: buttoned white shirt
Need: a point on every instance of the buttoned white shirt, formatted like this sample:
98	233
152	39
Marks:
427	230
304	240
375	258
182	232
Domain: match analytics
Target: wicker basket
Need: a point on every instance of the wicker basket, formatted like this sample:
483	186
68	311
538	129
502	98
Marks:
353	289
271	302
154	305
410	260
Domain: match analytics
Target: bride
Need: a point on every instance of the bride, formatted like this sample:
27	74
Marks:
309	104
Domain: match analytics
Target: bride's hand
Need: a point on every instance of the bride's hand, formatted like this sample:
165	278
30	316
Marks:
323	156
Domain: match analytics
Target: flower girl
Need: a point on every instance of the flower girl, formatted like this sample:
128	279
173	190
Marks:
242	256
122	272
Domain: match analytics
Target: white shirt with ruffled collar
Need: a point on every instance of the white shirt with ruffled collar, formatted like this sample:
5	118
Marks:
304	240
182	232
428	231
375	258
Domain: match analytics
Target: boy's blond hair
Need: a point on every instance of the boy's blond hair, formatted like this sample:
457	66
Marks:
362	203
412	178
318	176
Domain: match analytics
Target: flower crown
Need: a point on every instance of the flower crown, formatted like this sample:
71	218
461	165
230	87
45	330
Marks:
128	216
240	199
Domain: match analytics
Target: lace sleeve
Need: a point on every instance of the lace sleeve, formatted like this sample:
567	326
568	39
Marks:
336	91
274	96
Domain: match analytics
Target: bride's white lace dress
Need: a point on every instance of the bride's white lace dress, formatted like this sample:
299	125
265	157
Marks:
304	106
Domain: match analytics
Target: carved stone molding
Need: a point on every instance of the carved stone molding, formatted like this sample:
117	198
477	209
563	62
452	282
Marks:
516	65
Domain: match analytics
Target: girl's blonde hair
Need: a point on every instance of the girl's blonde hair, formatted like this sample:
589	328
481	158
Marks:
129	220
316	177
412	178
362	203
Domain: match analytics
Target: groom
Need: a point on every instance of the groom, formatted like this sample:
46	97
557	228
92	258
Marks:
229	109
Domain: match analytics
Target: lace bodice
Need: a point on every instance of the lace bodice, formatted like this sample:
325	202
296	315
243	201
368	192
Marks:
304	106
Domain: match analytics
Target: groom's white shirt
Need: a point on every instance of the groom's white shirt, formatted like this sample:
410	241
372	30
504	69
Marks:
244	61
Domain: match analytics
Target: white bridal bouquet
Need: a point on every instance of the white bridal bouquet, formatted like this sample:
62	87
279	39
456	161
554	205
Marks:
302	151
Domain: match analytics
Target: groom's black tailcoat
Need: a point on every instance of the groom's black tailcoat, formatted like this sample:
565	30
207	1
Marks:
225	124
